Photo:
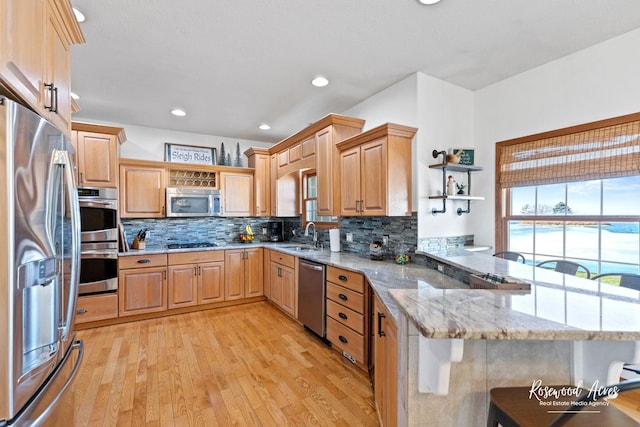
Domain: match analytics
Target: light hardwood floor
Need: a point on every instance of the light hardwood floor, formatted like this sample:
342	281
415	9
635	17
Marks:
246	365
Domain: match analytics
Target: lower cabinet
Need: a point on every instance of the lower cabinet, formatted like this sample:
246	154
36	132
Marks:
386	365
142	284
282	278
243	273
347	314
195	278
91	308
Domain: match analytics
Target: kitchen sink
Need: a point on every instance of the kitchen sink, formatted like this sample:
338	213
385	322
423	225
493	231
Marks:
301	248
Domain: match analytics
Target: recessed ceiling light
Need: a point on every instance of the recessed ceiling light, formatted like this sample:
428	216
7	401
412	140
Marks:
428	1
79	15
320	81
178	112
74	96
264	126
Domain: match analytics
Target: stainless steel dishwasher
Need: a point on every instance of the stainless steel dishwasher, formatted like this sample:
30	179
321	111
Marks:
311	293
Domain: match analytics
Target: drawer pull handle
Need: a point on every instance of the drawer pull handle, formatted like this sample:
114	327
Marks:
342	277
82	311
342	297
144	261
343	339
342	316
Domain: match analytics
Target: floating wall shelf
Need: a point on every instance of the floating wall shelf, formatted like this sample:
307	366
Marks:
454	167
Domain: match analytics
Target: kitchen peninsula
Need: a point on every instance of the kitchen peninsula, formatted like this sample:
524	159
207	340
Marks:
455	345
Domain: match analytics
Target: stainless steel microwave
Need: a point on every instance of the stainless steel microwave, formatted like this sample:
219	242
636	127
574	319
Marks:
189	202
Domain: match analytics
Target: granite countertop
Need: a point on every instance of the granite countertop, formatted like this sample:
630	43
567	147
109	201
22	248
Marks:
558	306
383	275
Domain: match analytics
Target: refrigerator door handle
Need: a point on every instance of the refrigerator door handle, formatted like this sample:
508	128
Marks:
62	158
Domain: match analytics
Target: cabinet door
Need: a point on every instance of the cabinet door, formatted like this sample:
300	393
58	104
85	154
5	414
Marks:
253	268
211	282
237	194
182	285
22	43
234	274
97	156
142	290
142	191
273	184
386	367
262	185
287	277
373	178
324	172
350	187
276	284
58	71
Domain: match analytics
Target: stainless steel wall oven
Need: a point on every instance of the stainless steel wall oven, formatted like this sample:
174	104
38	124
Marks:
99	231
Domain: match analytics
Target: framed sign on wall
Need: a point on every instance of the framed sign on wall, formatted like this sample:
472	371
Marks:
466	155
178	153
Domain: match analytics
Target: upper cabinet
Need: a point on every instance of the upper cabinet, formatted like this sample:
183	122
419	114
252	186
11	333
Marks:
142	189
34	55
97	149
237	192
260	161
375	172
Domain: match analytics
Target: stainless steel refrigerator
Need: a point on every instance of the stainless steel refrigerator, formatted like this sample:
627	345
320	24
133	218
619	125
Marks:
39	266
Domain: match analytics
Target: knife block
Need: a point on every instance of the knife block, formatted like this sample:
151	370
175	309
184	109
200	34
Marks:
138	244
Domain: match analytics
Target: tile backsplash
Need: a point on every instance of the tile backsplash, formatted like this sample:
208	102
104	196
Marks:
402	231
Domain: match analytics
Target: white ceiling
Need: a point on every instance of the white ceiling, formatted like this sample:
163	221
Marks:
233	64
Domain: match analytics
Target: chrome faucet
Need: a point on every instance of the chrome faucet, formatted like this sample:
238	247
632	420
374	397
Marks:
315	233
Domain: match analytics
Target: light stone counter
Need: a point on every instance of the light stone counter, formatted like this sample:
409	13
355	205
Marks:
455	345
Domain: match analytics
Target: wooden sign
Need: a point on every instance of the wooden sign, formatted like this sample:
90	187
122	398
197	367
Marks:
177	153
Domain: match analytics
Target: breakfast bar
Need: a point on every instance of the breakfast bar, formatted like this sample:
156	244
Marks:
454	345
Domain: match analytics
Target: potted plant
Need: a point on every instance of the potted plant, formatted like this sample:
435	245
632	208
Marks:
460	186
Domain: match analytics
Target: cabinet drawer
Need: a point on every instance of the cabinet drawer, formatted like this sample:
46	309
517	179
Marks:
195	257
284	259
345	297
346	278
142	261
97	307
346	316
345	339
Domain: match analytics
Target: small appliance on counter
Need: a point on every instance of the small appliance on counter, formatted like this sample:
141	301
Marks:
376	250
276	231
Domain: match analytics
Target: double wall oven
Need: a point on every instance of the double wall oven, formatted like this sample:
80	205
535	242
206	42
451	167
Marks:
99	235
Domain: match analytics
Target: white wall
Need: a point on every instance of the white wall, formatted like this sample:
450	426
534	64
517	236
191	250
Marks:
147	143
596	83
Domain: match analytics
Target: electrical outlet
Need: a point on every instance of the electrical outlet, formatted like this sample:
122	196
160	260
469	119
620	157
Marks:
349	237
264	231
441	268
385	240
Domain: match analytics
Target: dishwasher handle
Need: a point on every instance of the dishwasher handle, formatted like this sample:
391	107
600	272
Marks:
311	266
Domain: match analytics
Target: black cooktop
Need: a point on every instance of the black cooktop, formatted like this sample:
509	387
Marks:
191	245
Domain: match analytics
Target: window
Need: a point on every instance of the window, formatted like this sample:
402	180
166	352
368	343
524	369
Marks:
310	203
573	194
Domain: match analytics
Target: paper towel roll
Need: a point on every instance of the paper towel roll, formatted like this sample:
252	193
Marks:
334	239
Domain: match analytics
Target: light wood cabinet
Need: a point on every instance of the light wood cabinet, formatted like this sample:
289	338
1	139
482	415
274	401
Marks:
260	160
142	189
142	284
237	193
97	149
195	278
375	172
347	313
282	279
34	55
243	273
386	366
91	308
